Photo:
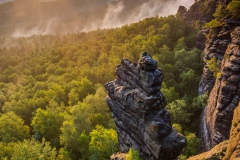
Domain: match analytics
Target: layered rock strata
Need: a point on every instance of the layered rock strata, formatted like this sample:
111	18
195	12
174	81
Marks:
221	44
138	109
225	90
228	149
216	45
201	11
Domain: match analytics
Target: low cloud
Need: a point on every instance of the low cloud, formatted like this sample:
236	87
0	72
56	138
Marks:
4	1
84	15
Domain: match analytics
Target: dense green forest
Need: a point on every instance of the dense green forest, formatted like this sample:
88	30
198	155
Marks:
52	98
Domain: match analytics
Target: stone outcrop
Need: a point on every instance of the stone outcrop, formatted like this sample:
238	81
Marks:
138	109
233	147
216	153
224	90
228	149
221	44
201	12
216	46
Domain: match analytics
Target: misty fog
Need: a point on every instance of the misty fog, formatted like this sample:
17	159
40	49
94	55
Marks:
29	17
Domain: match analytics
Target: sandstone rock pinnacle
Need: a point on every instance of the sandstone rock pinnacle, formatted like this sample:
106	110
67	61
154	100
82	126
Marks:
138	109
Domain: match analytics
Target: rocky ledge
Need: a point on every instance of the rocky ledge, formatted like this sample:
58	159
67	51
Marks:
138	109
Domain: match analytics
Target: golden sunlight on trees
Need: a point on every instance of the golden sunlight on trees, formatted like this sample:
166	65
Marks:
12	128
51	86
32	149
103	143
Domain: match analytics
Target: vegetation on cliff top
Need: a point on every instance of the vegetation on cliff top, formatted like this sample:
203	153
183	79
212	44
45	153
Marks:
52	87
223	11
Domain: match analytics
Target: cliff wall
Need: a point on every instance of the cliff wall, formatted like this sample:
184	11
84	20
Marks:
225	93
221	72
228	149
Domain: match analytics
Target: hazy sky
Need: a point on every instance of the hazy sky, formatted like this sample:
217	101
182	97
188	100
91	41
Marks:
3	1
86	15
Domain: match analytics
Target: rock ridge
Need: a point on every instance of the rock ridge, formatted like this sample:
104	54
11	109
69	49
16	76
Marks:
138	109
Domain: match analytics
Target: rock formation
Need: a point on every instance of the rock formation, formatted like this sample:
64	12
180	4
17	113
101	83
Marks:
221	44
218	40
228	149
201	12
138	109
225	90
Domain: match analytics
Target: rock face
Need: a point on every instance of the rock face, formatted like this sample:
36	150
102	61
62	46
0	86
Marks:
201	12
216	46
137	106
216	153
228	149
222	45
225	90
233	147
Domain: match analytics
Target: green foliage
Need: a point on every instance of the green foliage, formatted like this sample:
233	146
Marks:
99	113
12	128
103	143
84	140
179	112
75	128
221	11
185	113
182	157
213	24
47	123
63	155
234	8
6	150
169	93
178	127
192	145
133	155
32	149
199	103
214	66
54	83
189	79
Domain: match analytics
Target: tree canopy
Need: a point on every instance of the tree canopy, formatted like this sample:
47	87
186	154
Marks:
51	86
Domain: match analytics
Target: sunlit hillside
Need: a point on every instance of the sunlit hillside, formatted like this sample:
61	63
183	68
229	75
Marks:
56	56
51	87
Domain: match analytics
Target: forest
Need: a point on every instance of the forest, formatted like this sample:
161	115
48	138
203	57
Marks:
52	95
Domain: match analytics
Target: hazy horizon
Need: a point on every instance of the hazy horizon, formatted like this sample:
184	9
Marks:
77	16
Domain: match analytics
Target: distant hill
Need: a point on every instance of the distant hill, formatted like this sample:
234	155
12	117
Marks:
29	17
